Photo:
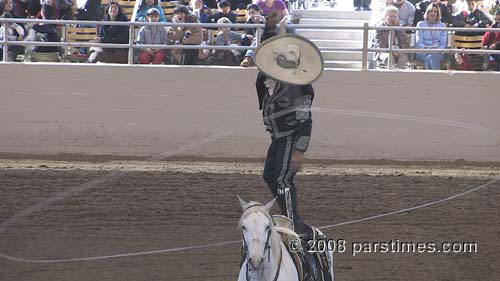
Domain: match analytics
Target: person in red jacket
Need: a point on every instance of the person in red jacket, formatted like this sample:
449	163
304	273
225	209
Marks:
491	40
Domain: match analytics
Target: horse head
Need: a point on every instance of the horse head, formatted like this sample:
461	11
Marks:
261	241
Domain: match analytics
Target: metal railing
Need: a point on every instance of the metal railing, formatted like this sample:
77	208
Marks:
365	49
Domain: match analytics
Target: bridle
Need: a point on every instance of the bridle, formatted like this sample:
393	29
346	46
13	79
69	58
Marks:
267	248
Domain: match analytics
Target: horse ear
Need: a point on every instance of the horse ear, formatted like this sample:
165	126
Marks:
243	203
270	204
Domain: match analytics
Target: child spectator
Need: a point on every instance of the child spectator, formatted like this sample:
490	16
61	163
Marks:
224	12
200	10
491	40
191	35
226	37
253	17
399	40
152	35
15	32
144	8
115	34
48	30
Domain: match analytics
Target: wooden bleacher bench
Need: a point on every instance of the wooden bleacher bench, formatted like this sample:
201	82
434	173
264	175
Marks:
168	9
78	34
127	7
242	15
470	42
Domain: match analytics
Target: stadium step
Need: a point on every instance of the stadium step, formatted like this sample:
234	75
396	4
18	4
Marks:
341	56
331	34
338	22
321	43
330	14
342	64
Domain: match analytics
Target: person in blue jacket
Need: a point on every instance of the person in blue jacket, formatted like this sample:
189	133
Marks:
142	13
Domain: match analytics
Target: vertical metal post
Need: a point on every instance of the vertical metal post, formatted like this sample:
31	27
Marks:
131	35
257	34
389	61
364	61
4	42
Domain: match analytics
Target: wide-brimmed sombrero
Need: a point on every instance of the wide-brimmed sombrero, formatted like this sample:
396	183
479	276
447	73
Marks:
290	58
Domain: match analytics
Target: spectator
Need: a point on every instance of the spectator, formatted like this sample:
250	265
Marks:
495	6
224	12
144	8
27	8
491	40
399	40
211	4
421	9
362	4
406	12
253	17
226	37
91	11
152	35
472	17
191	35
429	39
48	31
15	32
200	10
267	7
115	34
239	4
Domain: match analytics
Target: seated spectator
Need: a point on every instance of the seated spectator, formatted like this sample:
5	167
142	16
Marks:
144	8
201	11
495	6
239	4
269	6
191	35
399	40
91	11
224	12
152	35
421	9
429	39
472	17
15	32
27	8
115	34
406	12
48	31
226	37
253	17
491	40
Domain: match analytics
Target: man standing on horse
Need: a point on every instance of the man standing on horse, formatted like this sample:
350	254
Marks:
288	65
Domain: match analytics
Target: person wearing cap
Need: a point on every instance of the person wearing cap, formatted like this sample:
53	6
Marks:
491	40
144	8
152	35
224	12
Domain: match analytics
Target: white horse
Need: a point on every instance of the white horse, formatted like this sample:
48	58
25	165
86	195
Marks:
267	259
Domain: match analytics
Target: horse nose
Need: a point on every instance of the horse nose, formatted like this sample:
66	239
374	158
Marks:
255	262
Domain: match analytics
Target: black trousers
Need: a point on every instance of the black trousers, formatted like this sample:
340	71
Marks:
279	176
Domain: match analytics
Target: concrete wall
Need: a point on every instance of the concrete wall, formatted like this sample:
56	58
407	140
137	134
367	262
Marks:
152	111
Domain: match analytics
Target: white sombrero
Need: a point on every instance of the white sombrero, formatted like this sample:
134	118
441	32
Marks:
290	58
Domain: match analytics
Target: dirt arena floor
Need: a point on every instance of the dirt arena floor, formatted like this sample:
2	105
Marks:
55	210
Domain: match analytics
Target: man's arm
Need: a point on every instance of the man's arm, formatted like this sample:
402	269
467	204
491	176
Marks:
303	115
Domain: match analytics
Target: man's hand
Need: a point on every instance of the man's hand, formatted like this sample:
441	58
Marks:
297	161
